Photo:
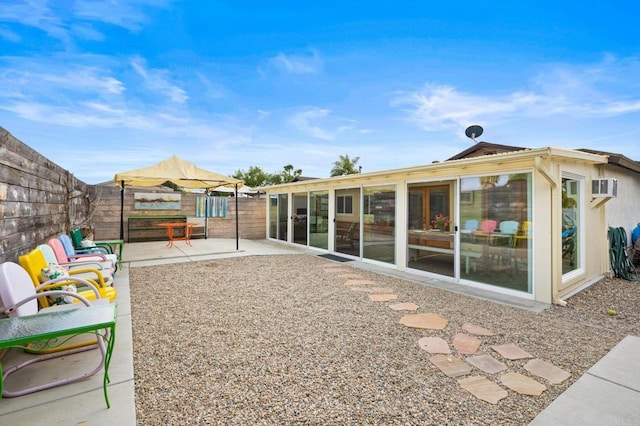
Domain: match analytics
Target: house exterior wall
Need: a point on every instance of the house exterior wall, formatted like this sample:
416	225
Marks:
546	167
624	210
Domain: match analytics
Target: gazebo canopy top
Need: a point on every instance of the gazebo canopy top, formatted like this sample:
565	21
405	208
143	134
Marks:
178	171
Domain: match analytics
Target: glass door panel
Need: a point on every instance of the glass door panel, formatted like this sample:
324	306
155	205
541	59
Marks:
496	230
379	218
283	217
430	233
319	219
273	216
300	218
347	229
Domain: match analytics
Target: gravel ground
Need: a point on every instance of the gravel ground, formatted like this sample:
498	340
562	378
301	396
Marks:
278	340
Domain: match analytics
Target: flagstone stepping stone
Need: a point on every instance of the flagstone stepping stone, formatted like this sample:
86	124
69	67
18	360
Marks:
450	365
406	306
382	289
487	363
434	345
429	321
362	289
358	282
476	330
353	276
383	297
511	351
522	384
465	344
549	372
336	270
483	389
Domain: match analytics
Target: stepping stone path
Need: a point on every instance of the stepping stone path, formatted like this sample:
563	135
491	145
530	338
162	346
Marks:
477	330
383	297
434	345
450	365
362	289
547	371
483	389
382	289
487	363
522	384
336	270
429	321
407	306
358	282
353	276
465	344
511	351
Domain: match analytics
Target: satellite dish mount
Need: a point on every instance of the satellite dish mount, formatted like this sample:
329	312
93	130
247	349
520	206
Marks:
473	132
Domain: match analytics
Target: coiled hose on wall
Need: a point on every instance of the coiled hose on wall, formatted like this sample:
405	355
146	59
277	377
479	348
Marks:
621	265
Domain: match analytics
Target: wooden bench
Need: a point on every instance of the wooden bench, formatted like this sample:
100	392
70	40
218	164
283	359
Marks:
145	227
199	230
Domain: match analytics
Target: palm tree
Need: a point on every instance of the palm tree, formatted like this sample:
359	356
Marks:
345	166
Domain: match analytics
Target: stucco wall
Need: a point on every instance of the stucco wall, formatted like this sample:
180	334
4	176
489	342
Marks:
624	211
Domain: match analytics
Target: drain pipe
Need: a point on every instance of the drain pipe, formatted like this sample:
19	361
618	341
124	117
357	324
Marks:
546	173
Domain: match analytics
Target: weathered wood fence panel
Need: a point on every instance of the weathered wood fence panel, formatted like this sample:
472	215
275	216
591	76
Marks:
38	198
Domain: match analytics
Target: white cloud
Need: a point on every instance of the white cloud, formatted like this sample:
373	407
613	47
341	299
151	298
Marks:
297	64
39	79
36	14
9	35
581	92
307	122
159	82
320	123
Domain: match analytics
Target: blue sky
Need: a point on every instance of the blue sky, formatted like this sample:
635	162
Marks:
101	87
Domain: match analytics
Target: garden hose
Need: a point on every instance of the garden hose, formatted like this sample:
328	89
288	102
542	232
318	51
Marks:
621	265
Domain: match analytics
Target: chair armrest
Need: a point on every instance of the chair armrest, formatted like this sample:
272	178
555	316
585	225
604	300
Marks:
57	282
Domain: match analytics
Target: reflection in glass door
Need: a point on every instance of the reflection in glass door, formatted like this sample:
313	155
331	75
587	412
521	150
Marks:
496	233
300	218
278	216
431	237
319	219
283	216
347	229
379	223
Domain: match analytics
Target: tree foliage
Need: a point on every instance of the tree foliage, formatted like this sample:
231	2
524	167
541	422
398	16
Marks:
257	177
345	166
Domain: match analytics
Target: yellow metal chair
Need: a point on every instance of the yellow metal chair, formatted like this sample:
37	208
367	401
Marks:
34	262
523	234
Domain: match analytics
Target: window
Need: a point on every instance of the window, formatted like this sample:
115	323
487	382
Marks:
571	235
345	204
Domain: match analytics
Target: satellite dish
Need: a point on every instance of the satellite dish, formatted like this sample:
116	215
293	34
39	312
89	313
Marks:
473	132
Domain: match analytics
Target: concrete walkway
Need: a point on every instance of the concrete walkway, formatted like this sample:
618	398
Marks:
609	393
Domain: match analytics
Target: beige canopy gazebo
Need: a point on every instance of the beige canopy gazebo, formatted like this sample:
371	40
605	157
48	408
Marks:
180	172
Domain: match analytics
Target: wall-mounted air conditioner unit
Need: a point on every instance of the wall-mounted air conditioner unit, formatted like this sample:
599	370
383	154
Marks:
604	187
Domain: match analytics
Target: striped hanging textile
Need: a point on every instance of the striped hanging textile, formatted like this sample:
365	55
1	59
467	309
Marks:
217	207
